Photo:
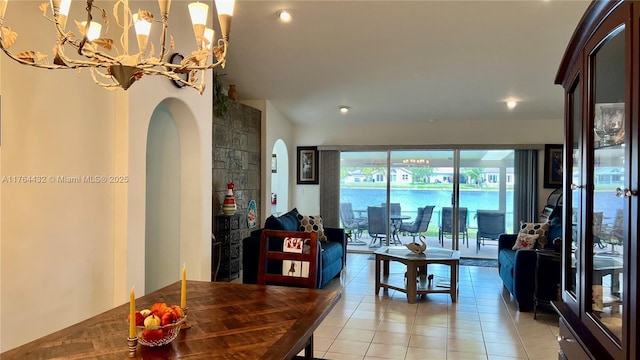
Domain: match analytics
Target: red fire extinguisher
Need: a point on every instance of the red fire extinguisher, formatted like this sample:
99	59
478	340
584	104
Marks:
274	199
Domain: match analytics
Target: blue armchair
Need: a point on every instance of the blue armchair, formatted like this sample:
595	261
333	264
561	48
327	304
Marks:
331	255
517	268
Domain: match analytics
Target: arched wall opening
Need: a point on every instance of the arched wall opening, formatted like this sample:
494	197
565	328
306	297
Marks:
279	178
174	215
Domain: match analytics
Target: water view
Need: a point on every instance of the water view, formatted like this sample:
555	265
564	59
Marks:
410	200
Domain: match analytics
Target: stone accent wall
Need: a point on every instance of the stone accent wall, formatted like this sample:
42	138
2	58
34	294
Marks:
236	157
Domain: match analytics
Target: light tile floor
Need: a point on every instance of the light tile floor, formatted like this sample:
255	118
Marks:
483	324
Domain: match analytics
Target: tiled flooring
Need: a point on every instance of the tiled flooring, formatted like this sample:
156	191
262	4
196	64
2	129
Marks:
483	324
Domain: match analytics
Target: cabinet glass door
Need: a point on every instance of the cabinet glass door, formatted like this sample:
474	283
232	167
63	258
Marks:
574	197
609	173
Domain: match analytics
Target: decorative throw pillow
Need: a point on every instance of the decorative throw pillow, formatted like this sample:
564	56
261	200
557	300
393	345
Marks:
525	241
312	224
541	229
288	221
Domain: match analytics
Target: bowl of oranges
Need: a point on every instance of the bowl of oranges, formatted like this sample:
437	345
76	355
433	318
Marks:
159	325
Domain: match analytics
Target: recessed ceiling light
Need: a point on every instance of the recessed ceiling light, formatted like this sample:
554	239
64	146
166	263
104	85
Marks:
512	104
344	109
285	16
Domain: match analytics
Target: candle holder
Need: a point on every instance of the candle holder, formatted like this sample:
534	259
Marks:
132	343
185	325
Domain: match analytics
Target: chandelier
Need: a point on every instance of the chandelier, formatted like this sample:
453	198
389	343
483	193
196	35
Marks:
112	66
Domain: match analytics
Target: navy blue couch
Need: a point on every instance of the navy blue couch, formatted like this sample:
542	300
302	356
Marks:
517	268
331	257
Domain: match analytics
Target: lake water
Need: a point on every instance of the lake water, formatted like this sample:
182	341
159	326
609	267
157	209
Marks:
411	200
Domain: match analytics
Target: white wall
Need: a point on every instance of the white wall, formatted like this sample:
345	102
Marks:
280	179
434	133
77	248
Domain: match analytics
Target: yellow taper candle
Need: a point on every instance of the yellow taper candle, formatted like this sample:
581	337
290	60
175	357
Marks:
183	289
132	314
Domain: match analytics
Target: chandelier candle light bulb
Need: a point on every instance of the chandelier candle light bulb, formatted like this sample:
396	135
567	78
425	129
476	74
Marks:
143	29
60	7
112	66
198	12
209	34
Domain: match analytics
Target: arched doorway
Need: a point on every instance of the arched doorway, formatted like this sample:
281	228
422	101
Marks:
279	178
174	210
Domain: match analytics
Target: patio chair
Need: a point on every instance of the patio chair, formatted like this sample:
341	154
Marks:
491	224
350	222
446	224
394	208
420	224
598	233
614	234
378	225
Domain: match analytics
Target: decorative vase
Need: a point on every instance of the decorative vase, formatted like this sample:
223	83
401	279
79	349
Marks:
229	204
232	93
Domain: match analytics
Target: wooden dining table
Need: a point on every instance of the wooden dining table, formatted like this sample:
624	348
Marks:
228	321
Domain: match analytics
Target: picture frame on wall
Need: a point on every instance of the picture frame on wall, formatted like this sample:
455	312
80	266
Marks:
307	165
553	166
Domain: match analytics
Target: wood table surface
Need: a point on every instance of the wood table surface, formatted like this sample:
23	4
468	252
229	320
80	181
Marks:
228	321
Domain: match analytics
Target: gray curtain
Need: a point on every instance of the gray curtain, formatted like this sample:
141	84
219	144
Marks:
525	189
329	177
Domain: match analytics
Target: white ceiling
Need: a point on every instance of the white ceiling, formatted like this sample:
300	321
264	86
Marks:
402	60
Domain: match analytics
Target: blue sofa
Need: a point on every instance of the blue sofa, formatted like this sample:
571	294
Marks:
331	257
517	268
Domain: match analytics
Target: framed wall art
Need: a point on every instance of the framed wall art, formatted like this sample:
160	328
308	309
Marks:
307	167
552	166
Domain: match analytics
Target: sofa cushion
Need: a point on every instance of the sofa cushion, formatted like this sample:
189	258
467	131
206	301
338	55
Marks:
541	229
506	262
288	221
310	223
330	251
525	241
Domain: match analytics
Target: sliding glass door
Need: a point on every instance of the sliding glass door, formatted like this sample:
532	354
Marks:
486	196
401	196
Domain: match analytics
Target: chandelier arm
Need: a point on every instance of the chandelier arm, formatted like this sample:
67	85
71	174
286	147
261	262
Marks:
87	25
125	26
44	65
163	37
100	59
173	76
150	62
110	86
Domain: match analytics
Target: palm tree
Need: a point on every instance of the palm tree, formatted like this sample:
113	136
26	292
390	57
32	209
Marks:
421	174
475	174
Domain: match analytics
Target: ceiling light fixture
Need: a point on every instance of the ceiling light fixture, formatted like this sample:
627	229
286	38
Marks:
285	16
344	109
114	67
512	104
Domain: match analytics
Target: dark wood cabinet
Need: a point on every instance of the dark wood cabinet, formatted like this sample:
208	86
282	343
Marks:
229	234
600	75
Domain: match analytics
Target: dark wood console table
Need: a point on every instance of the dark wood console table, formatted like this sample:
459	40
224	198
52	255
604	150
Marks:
228	321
